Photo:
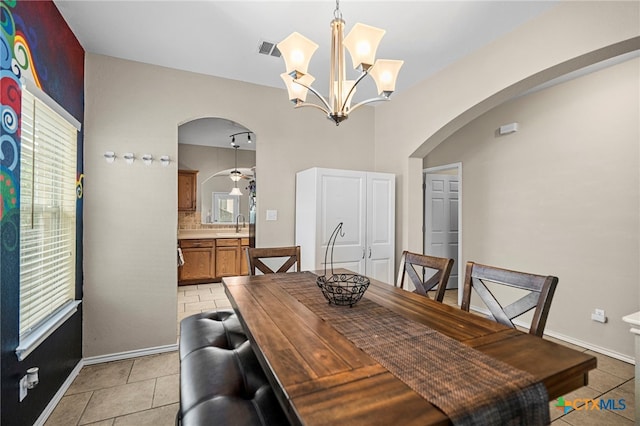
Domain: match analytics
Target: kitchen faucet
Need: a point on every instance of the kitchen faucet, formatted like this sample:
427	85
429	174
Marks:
238	220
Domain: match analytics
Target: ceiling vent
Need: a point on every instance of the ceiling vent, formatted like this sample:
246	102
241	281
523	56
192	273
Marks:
268	48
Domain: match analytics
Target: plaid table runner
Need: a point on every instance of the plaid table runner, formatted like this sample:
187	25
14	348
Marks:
471	388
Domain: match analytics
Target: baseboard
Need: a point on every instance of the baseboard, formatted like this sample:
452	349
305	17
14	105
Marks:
572	340
58	396
591	347
130	354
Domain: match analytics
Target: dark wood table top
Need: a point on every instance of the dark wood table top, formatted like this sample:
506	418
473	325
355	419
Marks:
321	378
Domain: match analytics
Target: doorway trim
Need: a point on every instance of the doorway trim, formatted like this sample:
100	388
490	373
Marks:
458	168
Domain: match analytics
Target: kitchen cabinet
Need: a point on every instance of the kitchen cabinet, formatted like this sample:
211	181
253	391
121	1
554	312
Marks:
199	261
210	259
187	190
230	257
365	203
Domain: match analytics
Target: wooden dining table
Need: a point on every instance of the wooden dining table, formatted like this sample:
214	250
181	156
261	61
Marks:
322	378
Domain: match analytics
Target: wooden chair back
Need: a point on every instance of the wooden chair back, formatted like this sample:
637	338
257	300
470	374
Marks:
255	255
423	281
541	289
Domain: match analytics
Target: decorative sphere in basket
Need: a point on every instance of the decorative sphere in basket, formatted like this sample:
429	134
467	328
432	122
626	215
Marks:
341	289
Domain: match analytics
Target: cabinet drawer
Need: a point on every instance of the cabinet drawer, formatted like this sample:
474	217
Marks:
227	242
197	243
244	241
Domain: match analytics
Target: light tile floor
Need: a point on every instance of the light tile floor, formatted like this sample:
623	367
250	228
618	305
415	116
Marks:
145	391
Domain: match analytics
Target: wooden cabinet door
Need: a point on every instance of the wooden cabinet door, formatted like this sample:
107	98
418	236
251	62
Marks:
227	257
227	261
199	261
187	189
244	268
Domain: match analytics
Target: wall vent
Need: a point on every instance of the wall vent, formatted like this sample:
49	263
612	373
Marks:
268	48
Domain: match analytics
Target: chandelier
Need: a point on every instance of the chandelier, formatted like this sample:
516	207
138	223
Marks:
362	43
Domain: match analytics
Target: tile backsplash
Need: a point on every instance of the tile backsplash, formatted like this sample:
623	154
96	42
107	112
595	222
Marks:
193	220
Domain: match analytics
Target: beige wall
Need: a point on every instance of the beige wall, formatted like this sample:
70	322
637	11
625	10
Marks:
130	212
567	37
560	197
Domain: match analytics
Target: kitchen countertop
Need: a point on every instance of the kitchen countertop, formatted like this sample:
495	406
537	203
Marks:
192	234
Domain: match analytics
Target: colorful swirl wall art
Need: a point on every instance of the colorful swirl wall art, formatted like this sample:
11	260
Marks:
16	65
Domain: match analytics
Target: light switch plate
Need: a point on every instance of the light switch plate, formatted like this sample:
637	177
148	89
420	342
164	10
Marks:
272	214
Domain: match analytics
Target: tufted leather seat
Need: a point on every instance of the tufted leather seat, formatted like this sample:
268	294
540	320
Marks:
221	381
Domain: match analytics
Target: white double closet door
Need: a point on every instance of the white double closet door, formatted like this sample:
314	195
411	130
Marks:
364	202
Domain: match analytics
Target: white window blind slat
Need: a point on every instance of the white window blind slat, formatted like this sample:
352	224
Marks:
47	215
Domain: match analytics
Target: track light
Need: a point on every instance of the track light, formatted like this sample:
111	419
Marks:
233	137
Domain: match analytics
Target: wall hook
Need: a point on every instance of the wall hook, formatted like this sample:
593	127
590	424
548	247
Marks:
129	157
110	156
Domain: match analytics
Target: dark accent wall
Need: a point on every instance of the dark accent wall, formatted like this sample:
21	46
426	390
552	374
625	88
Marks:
35	44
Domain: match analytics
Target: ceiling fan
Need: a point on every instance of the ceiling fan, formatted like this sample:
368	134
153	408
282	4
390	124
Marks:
245	173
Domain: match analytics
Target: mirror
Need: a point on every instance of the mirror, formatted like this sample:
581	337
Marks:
205	145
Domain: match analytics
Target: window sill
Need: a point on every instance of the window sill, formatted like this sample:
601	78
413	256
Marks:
39	335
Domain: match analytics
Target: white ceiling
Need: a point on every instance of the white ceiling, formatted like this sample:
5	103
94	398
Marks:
221	38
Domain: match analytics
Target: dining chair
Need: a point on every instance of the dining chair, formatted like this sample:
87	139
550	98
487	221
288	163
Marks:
422	280
541	289
290	255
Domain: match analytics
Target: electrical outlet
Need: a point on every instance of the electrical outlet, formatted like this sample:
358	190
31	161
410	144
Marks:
599	315
23	388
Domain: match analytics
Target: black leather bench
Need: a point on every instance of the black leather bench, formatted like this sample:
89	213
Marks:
221	381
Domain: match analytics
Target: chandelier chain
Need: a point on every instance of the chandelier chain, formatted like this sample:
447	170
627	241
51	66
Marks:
337	13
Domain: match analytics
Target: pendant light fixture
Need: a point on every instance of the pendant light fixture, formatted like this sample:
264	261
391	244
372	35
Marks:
235	174
362	43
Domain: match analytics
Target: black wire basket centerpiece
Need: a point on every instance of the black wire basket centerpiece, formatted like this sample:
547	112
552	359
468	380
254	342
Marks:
341	289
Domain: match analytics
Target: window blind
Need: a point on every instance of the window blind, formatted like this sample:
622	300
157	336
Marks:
47	213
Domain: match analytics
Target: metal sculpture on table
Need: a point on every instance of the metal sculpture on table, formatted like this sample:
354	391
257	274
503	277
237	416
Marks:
341	289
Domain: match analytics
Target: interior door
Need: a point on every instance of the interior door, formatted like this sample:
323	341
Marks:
441	219
380	250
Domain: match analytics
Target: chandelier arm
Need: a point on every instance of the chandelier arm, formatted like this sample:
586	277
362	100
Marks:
311	104
368	101
318	95
363	75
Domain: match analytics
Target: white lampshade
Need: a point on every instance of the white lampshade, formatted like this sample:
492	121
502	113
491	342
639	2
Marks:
385	72
296	91
235	175
362	43
235	191
297	51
